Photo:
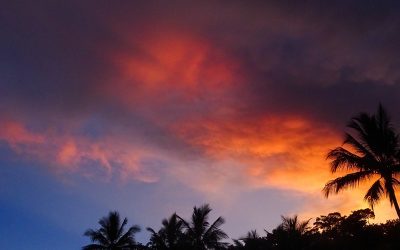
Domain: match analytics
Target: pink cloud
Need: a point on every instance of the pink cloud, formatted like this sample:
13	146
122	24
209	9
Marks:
71	153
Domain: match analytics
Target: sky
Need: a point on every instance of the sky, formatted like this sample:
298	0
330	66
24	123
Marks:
153	107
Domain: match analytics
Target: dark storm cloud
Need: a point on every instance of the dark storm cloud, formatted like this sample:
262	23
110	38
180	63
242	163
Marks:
305	57
319	59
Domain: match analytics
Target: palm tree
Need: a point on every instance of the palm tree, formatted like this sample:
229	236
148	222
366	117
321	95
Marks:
290	234
252	241
375	152
200	233
294	225
111	235
169	236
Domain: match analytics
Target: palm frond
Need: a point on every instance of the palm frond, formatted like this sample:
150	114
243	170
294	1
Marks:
350	180
121	228
129	236
359	146
395	182
214	231
238	243
390	184
361	125
252	235
217	223
374	193
110	225
186	225
96	236
344	159
93	247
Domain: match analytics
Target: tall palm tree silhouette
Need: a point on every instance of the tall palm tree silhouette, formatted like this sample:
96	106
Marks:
201	234
170	236
375	152
112	235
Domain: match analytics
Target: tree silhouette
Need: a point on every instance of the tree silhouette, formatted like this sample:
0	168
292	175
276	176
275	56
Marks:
200	233
170	236
294	225
335	231
376	153
111	235
290	234
329	224
252	241
329	232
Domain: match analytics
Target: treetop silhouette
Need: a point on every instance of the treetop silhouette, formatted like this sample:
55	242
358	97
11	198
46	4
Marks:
374	153
112	235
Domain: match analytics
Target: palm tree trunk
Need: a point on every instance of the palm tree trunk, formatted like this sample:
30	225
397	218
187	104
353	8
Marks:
396	206
395	203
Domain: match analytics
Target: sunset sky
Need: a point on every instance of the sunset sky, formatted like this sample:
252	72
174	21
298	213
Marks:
152	107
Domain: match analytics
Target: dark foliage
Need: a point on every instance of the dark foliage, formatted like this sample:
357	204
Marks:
200	234
112	235
170	236
374	154
332	231
328	232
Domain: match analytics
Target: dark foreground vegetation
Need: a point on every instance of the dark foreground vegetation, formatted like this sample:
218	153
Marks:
332	231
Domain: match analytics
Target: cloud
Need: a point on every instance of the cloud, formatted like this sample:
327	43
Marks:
171	74
15	133
274	149
218	96
68	152
272	153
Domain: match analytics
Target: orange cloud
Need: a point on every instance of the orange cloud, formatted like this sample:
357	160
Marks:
276	150
171	68
280	152
68	153
285	152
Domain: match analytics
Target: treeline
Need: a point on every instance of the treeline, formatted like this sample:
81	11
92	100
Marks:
332	231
